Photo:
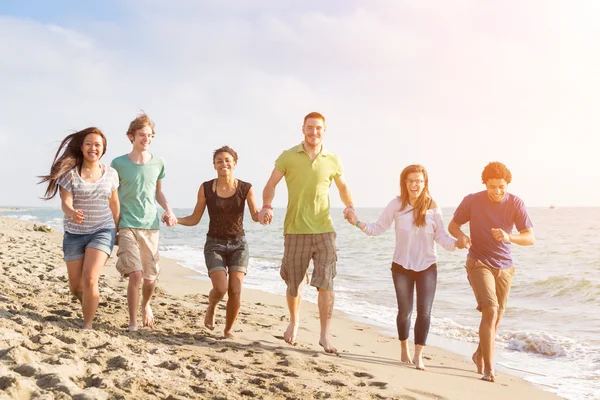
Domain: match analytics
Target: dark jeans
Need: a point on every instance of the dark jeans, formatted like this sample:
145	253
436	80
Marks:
404	282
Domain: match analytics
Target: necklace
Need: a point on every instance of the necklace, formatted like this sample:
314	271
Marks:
224	188
90	174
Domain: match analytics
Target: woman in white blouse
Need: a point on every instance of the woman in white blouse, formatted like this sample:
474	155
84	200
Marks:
418	223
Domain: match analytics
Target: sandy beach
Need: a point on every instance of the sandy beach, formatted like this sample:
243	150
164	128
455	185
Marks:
44	354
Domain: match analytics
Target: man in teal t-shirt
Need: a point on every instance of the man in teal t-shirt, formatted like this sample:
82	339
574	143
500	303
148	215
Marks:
140	188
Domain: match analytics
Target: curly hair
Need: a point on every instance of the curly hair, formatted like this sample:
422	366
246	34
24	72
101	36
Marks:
225	149
496	170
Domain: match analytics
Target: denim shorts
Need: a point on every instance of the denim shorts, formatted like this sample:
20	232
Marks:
226	254
74	245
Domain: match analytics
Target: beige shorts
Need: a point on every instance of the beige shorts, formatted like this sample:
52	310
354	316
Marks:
491	286
138	251
297	253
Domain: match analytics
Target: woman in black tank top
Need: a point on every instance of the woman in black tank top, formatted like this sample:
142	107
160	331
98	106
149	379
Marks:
226	249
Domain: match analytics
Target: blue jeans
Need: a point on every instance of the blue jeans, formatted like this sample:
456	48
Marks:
74	245
404	283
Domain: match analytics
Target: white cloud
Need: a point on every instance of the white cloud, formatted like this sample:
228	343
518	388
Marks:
448	86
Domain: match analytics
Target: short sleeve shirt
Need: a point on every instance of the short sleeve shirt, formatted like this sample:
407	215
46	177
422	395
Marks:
137	191
484	214
92	199
308	184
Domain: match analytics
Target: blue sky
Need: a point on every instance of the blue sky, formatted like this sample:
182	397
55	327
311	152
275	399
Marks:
450	85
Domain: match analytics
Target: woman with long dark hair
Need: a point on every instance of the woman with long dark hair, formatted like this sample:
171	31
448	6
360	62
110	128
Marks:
419	225
90	202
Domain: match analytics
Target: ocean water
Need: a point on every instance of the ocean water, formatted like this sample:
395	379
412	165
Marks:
550	334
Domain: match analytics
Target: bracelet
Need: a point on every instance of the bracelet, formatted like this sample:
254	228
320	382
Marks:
357	224
267	206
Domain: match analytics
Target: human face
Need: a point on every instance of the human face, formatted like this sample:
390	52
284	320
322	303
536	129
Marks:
313	130
415	183
142	138
224	164
496	189
92	147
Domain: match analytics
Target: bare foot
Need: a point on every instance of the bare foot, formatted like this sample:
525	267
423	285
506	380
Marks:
405	355
488	377
147	317
290	333
209	318
227	334
327	346
87	327
133	328
418	361
478	360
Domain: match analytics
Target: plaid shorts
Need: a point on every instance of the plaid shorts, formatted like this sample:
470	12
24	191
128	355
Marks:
298	251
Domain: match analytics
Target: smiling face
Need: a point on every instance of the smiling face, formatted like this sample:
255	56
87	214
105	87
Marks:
415	183
93	147
313	130
496	189
224	164
142	138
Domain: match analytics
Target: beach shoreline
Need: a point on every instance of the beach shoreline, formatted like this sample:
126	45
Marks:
43	350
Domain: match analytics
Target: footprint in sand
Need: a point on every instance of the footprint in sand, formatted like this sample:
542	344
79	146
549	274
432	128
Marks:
380	385
427	394
363	375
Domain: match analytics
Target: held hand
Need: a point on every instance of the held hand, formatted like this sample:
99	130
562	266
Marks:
351	217
464	242
500	235
169	218
77	217
348	210
265	216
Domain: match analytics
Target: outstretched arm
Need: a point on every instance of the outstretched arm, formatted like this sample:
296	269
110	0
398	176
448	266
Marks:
169	216
265	216
462	240
252	205
115	206
196	216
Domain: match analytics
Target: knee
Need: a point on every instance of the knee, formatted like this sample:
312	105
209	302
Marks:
135	278
489	315
75	288
89	283
220	290
234	292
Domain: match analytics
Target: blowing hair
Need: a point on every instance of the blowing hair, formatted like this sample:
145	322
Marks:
225	149
71	156
140	122
423	201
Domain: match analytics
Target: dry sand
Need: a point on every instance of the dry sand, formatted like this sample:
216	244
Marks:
44	354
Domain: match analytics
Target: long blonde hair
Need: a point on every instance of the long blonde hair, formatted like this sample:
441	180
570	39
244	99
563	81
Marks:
423	202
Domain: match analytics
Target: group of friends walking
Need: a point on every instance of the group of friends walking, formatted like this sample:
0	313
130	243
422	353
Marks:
103	204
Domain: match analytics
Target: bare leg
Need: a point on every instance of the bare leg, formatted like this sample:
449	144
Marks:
234	295
219	282
418	359
291	332
487	336
92	267
75	271
147	292
405	352
133	298
326	300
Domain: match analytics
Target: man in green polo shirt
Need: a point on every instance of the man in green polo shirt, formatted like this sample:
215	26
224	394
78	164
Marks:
308	231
